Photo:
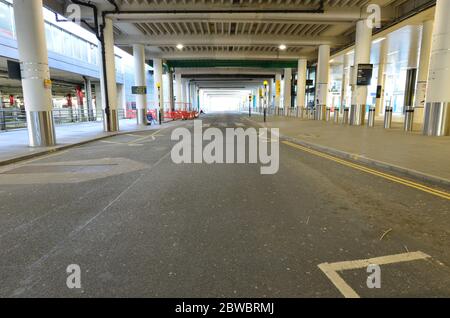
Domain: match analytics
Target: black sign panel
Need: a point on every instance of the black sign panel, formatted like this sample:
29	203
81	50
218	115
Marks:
14	70
364	74
138	90
379	88
309	82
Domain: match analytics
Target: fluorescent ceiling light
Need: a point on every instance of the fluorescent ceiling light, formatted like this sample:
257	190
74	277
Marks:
378	40
282	47
180	46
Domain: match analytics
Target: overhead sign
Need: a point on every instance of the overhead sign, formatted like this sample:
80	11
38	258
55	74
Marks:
138	90
277	88
364	75
309	82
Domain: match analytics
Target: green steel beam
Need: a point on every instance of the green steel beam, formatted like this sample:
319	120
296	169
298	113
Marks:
233	63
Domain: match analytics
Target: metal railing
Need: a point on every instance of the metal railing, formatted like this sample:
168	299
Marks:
15	118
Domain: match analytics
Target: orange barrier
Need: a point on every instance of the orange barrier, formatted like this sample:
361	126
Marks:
174	115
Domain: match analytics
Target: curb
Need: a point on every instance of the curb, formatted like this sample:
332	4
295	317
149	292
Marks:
368	161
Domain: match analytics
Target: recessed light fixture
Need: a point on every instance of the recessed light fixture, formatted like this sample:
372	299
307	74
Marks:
282	47
332	60
180	46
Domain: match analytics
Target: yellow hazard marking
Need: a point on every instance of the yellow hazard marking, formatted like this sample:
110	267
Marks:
408	183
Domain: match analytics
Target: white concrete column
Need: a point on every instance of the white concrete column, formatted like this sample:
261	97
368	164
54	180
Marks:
158	86
437	109
139	80
36	84
184	94
301	83
411	71
381	76
170	79
88	93
109	101
422	72
98	99
363	44
277	100
270	93
348	61
287	90
178	91
323	73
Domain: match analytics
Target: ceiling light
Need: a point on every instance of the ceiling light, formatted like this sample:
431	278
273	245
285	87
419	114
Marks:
282	47
180	46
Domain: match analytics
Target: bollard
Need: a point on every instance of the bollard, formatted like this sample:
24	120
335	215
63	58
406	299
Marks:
371	117
409	118
345	119
336	115
387	117
328	114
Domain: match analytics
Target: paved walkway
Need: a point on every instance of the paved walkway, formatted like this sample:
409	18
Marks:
14	144
412	153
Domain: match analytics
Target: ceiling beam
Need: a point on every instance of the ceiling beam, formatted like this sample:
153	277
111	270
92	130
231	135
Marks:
227	40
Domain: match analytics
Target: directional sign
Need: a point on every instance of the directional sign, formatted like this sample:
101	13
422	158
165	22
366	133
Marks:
364	75
138	90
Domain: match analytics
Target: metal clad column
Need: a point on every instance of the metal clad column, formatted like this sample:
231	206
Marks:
363	43
139	80
158	86
110	67
323	73
422	73
287	90
301	84
36	85
437	109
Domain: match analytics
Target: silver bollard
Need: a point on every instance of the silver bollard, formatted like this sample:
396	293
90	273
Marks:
345	119
388	117
409	118
336	115
371	118
328	114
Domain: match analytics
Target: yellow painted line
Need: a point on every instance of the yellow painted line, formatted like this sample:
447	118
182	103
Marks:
331	269
408	183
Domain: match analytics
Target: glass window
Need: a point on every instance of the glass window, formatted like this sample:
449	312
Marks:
93	54
49	37
6	20
58	40
67	44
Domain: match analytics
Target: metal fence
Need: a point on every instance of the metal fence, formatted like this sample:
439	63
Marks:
15	118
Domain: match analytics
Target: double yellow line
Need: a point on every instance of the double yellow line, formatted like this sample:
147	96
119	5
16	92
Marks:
408	183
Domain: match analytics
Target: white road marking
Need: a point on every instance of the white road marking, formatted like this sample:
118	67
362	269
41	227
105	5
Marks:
331	269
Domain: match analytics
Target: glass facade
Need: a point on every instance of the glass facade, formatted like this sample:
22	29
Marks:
58	40
6	20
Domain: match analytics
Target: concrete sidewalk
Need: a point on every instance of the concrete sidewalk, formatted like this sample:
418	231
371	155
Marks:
422	157
14	143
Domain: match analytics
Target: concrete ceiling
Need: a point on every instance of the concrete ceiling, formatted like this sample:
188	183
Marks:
232	29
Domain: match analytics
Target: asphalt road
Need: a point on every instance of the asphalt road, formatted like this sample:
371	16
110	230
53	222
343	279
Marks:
139	225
